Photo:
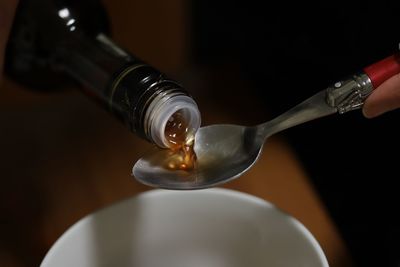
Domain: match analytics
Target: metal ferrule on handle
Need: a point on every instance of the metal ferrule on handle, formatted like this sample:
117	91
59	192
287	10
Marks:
351	93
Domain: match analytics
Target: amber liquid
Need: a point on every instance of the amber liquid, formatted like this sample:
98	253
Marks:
181	140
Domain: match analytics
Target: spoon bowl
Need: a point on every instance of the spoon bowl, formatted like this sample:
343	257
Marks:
224	152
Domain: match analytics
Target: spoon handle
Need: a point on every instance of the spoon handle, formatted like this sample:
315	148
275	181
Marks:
343	96
310	109
383	70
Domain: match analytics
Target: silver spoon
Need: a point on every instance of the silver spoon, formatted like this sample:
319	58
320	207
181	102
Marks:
225	152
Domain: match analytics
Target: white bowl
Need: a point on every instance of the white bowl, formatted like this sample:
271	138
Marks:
204	228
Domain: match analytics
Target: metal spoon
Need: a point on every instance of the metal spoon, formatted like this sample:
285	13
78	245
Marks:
225	152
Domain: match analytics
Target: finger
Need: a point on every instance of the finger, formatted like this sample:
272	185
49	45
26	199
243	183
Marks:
384	98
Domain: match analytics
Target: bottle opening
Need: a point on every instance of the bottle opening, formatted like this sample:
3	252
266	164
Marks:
180	137
173	120
178	130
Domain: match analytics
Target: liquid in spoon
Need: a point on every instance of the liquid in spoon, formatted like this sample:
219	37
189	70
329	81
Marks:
181	139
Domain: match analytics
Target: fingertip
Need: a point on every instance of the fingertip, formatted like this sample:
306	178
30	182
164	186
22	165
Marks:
383	99
369	114
371	107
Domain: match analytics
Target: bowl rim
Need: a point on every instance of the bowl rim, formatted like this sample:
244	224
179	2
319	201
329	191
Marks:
151	193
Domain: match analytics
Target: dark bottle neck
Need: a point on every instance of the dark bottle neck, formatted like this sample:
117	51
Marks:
54	40
43	29
94	62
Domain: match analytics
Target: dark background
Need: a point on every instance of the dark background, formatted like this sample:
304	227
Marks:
289	51
62	157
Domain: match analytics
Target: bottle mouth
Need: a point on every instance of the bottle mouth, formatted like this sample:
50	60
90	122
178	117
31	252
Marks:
162	108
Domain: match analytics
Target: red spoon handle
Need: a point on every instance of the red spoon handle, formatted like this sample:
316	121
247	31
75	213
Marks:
383	70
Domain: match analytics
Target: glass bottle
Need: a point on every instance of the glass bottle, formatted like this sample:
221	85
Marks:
53	41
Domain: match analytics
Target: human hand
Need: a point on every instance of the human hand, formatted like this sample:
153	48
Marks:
7	10
384	98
